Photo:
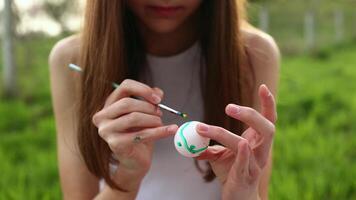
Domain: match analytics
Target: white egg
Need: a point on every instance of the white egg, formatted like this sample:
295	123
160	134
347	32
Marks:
188	142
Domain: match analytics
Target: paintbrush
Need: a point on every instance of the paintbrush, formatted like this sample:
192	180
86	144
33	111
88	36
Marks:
115	85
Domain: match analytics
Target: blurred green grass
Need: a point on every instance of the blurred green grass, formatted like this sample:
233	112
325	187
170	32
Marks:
315	145
287	22
314	150
28	162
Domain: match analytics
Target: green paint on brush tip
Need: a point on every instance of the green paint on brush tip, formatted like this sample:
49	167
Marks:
184	115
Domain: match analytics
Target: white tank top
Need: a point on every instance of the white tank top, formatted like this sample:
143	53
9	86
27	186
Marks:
172	176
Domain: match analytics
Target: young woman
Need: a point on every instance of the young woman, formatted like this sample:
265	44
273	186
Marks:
199	57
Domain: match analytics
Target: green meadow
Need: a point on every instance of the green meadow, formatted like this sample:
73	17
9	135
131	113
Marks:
314	148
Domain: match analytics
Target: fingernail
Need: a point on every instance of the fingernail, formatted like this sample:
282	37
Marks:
203	127
160	92
234	109
269	94
156	99
172	128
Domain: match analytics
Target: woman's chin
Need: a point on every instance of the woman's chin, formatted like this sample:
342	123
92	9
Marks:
163	28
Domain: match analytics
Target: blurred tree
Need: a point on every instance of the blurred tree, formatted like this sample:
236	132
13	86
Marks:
58	10
8	52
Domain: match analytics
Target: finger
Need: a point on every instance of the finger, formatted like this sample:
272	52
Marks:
268	104
241	164
252	118
159	92
220	135
212	153
254	170
255	120
129	121
153	134
136	120
120	142
124	106
251	136
133	88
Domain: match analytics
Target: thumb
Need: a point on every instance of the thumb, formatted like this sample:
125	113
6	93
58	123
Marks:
241	164
212	153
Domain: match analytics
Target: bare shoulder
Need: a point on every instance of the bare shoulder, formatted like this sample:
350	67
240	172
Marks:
64	83
64	52
263	56
76	181
260	46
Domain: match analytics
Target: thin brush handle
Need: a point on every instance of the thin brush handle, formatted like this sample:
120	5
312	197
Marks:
115	85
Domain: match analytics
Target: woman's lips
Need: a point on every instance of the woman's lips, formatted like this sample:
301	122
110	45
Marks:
165	11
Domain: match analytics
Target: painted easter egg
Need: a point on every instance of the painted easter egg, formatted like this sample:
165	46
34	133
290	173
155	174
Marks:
188	142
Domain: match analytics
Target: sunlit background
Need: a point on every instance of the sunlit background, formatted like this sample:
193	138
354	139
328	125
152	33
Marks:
315	146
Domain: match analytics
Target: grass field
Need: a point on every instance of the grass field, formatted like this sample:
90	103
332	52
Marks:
287	22
314	155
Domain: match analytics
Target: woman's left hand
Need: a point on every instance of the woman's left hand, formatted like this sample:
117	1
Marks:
239	163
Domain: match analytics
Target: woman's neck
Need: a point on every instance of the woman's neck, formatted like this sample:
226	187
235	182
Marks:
172	43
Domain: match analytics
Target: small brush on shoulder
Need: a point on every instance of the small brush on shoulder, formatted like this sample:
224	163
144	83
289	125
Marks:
115	85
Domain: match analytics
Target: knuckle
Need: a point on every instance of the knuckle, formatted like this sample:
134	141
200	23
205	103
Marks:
126	82
95	119
113	144
125	86
163	130
110	141
107	102
133	118
271	130
118	146
249	112
219	130
157	131
102	132
244	141
124	103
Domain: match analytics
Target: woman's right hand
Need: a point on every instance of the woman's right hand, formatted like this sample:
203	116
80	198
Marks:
124	118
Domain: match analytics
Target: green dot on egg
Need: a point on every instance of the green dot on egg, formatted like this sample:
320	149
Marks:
179	144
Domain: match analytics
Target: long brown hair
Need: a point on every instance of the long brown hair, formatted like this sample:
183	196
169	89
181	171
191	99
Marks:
112	50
